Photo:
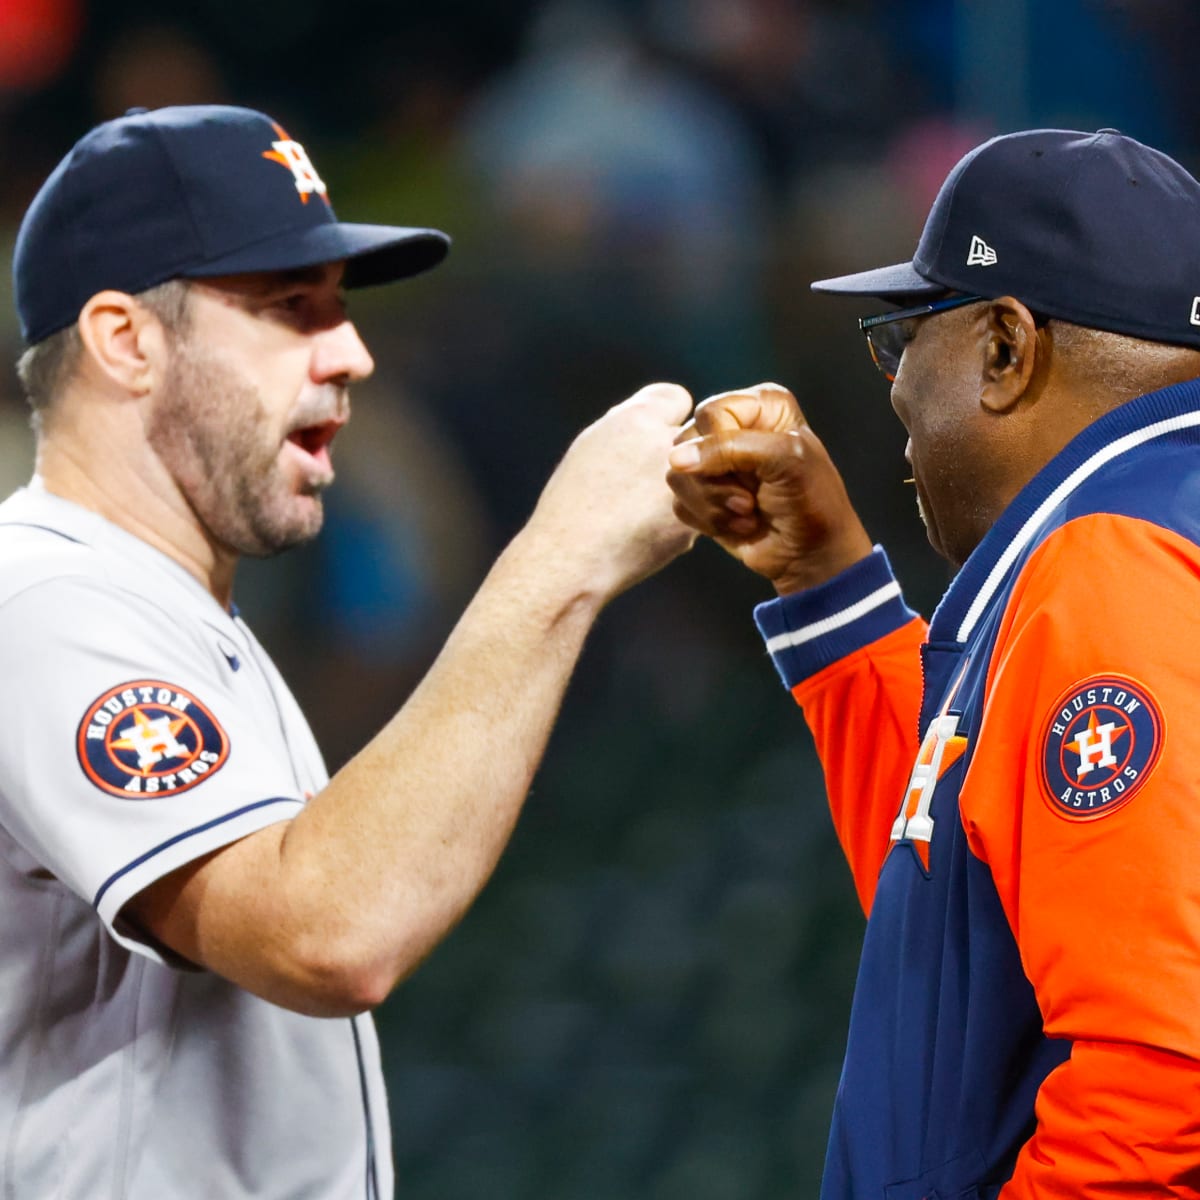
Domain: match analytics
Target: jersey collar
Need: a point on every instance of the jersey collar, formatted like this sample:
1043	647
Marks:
35	506
1171	414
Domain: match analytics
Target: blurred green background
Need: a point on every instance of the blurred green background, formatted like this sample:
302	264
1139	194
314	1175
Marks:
649	999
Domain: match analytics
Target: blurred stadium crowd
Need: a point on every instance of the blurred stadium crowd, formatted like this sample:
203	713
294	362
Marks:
650	998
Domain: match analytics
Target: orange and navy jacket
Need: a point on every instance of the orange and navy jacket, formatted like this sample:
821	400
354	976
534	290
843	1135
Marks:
1017	789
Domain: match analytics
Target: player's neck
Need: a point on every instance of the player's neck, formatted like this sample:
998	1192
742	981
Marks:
142	501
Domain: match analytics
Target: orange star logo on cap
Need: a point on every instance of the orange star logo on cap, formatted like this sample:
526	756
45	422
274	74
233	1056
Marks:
291	154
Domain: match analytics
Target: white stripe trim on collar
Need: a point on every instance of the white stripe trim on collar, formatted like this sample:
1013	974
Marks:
1082	472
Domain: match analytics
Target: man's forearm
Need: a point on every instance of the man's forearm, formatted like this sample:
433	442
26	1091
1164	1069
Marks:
327	912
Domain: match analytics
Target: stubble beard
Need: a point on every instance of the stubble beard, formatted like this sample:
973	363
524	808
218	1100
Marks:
211	430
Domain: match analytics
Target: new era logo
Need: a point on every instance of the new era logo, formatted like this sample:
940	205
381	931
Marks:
980	254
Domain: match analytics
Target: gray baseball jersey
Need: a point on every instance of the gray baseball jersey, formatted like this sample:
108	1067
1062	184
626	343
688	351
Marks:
144	726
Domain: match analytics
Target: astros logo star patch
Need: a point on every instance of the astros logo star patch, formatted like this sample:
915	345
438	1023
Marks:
148	739
1101	742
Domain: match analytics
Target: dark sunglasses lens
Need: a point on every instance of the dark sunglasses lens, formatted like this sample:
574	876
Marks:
887	345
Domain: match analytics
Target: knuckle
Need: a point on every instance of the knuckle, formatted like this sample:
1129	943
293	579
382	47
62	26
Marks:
670	396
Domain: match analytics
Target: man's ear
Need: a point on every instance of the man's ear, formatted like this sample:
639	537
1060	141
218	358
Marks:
1010	354
124	341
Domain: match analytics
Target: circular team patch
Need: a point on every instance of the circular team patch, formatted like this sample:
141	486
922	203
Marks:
1102	740
148	739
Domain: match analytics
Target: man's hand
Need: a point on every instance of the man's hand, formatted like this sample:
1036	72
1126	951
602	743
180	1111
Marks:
607	509
419	817
750	473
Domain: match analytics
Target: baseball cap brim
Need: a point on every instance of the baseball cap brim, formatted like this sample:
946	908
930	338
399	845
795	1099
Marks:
373	253
886	283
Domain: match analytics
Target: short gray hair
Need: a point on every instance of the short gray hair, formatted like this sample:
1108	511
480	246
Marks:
1122	365
47	365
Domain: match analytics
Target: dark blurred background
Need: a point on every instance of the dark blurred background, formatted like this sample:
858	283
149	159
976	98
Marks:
649	1000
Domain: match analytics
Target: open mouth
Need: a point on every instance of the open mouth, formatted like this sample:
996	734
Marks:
315	440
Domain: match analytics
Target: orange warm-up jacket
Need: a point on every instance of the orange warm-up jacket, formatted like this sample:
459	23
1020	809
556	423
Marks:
1017	790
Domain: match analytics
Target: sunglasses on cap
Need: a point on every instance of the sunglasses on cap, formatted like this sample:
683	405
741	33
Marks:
889	333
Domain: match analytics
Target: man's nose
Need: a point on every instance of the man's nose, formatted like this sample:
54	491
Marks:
341	356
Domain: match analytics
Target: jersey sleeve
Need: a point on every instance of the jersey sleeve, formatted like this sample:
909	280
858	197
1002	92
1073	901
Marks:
849	652
130	746
1083	797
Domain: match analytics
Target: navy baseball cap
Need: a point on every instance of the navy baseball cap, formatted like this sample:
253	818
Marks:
188	192
1092	228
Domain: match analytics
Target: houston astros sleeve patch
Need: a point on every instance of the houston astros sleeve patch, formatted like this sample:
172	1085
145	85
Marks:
148	739
1102	739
